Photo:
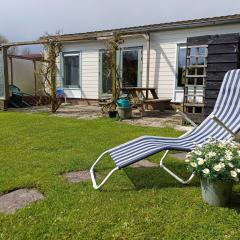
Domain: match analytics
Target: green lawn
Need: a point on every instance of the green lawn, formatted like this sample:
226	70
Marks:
135	204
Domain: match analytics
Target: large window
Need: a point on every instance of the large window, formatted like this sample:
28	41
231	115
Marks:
71	70
105	73
131	66
181	66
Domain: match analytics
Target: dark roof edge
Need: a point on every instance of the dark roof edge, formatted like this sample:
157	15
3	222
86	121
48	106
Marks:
202	22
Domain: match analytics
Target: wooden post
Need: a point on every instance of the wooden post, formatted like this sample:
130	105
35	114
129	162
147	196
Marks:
5	64
35	77
52	62
114	72
11	70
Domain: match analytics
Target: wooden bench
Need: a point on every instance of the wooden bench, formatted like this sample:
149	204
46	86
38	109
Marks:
140	98
157	104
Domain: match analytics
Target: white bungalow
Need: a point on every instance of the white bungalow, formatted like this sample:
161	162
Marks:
150	56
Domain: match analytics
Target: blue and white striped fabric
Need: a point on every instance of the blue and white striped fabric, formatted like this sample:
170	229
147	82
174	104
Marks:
227	109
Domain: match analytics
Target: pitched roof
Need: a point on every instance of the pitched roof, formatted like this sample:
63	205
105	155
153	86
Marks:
165	26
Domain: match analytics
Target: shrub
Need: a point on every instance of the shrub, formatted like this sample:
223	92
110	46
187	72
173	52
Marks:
215	160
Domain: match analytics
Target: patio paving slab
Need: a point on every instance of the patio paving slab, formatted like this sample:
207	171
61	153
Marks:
144	164
11	202
79	176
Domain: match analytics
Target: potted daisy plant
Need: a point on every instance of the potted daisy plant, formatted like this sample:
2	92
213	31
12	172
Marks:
217	163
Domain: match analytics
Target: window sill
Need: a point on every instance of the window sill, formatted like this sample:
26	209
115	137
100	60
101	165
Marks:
179	88
71	88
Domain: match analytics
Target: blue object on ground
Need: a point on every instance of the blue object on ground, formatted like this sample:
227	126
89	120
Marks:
122	102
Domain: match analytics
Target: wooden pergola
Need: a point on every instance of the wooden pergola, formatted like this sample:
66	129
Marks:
65	39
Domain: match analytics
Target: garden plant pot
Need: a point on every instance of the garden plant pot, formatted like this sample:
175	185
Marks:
122	102
125	112
216	193
112	113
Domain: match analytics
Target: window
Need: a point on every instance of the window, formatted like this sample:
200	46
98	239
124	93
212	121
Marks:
105	73
71	70
196	65
131	65
181	65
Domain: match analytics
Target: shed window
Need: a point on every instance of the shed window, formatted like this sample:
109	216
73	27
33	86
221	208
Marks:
71	70
181	65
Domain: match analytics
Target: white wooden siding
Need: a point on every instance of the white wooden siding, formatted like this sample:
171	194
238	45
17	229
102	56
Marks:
163	60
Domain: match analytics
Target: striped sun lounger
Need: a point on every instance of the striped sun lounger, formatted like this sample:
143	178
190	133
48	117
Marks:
222	124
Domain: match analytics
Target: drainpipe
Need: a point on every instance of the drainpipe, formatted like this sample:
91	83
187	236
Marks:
147	37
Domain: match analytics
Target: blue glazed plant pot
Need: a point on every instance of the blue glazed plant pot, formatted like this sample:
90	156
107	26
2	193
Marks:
216	193
122	102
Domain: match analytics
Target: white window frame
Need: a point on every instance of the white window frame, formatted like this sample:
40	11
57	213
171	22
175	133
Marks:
177	63
68	54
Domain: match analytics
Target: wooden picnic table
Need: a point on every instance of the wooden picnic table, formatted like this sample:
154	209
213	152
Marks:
140	98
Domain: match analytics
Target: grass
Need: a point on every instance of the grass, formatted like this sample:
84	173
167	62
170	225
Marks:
36	149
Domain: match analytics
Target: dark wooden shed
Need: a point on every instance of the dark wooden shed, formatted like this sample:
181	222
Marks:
222	54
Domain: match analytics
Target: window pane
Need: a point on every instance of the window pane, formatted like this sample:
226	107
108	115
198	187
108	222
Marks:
71	71
202	51
106	73
200	71
201	61
194	51
130	68
181	65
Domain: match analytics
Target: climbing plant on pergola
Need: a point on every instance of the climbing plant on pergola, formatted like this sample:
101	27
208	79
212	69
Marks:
49	71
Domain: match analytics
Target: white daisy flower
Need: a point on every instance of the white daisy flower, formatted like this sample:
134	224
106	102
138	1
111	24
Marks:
211	154
222	165
230	165
198	152
193	164
201	161
217	168
206	171
237	170
233	174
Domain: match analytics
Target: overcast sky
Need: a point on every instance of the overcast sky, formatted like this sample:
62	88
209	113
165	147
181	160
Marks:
28	19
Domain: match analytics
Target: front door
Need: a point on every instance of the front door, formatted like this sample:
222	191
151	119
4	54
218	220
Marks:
131	67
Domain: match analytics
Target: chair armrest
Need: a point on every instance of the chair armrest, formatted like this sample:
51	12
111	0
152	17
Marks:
220	123
186	118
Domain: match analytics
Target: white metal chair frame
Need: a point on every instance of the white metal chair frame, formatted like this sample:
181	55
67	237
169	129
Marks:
92	170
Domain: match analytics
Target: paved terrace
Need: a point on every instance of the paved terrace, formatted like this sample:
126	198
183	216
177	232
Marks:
150	117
